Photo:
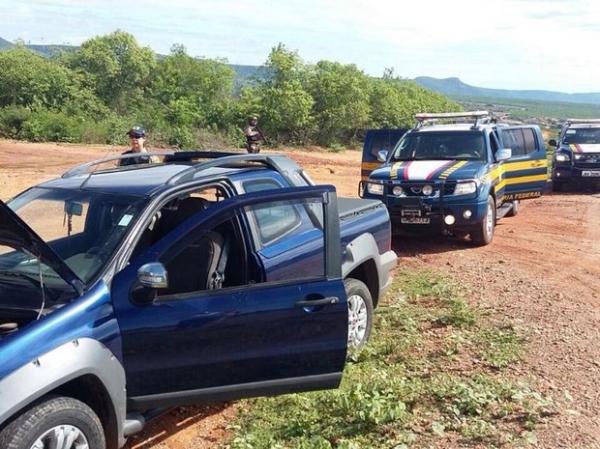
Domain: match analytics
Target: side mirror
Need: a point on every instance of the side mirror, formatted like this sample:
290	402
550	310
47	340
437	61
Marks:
552	143
503	154
153	275
382	155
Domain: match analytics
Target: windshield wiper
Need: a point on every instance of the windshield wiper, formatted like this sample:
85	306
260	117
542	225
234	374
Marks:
33	279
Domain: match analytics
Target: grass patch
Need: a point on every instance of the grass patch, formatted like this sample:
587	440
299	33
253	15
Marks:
419	383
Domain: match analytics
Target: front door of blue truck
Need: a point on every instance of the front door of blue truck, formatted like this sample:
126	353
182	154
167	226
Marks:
525	174
201	321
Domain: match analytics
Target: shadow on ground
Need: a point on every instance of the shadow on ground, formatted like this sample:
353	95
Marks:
172	422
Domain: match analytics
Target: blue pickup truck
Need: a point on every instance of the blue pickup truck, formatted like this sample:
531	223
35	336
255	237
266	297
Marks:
455	178
206	277
577	155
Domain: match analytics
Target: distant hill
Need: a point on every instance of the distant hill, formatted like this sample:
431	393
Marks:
454	87
51	50
5	44
43	50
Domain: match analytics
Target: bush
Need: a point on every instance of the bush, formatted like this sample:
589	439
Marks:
12	119
182	138
52	126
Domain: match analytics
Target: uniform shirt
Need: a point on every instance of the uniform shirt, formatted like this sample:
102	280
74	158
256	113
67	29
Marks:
141	159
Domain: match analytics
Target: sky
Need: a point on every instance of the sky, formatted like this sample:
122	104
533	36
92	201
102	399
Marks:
508	44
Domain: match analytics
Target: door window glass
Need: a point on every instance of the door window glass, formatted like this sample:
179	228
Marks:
221	257
529	138
513	139
273	220
520	140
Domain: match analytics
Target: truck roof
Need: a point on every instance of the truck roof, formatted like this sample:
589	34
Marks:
177	168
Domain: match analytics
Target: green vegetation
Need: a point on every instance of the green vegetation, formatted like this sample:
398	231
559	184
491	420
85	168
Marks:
433	375
528	109
95	92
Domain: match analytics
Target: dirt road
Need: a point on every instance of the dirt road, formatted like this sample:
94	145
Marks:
542	273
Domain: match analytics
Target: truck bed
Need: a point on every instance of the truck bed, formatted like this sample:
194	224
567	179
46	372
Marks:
349	207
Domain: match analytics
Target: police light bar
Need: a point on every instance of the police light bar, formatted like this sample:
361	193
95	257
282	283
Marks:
451	115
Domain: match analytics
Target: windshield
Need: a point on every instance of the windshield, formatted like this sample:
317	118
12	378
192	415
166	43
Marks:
440	146
582	135
83	228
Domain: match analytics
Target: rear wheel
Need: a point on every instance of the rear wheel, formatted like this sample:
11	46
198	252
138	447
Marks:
360	313
59	422
484	233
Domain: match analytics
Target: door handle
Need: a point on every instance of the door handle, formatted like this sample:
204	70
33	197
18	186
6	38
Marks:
318	302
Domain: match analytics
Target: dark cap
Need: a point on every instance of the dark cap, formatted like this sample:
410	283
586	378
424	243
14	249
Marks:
137	131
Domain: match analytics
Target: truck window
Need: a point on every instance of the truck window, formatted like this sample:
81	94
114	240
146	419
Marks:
520	140
529	136
176	211
223	258
272	220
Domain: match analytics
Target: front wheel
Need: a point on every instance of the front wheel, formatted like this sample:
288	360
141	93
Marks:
557	186
58	422
484	233
360	313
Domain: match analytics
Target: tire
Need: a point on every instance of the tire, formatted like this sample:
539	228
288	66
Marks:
514	209
360	313
484	234
557	186
51	419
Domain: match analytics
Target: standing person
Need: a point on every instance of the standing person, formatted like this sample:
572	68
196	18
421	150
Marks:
253	135
137	137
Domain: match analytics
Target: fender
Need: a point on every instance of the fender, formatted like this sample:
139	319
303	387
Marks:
59	366
364	248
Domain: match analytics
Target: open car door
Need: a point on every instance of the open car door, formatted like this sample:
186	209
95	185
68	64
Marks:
377	140
195	340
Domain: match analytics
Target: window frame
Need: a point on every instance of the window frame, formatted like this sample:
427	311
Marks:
332	257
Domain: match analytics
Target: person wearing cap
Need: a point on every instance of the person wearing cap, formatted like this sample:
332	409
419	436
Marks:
137	137
253	135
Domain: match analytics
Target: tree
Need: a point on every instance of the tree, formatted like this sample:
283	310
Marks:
341	95
27	79
281	100
116	68
191	87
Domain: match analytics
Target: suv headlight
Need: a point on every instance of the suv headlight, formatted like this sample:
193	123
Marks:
465	188
375	189
562	157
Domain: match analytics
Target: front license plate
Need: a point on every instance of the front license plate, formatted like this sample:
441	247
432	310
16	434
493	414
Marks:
410	213
591	173
414	220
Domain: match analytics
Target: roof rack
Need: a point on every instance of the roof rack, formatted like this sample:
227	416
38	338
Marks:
582	121
284	166
477	117
278	163
170	156
84	169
